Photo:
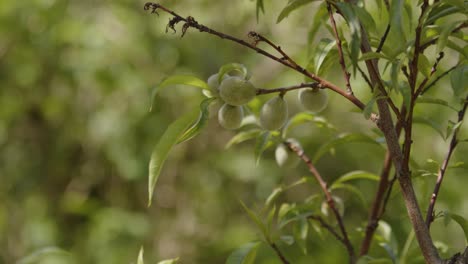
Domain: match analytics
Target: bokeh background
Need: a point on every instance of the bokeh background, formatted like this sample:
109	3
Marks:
76	137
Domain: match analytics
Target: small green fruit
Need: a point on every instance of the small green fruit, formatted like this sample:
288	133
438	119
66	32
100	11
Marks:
274	113
314	100
285	157
236	91
213	84
230	116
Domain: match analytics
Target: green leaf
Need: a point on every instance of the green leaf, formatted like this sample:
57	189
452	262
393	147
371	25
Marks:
355	29
162	148
169	261
302	118
261	145
177	80
196	128
396	19
243	136
245	254
291	6
352	189
394	73
441	11
256	220
319	20
373	55
273	195
233	67
260	8
447	28
323	48
369	108
429	123
355	175
42	254
437	101
365	17
424	66
462	222
459	79
340	140
140	256
452	128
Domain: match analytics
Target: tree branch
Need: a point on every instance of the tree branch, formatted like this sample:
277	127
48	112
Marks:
328	227
346	74
443	168
331	203
283	90
279	253
190	22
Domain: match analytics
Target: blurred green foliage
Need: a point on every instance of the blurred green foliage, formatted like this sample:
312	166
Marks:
76	136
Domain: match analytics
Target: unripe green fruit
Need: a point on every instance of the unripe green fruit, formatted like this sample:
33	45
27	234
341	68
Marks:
236	91
213	84
274	113
285	157
314	100
230	116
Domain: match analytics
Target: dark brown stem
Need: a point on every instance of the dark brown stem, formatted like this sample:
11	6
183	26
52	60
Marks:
382	40
346	74
283	90
443	168
279	254
328	196
366	78
190	22
260	38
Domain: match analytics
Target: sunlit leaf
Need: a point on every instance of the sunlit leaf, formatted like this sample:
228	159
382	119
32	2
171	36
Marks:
291	6
340	140
354	45
196	128
164	145
350	188
424	66
447	28
302	118
323	48
357	175
273	195
396	19
243	136
245	254
140	256
177	80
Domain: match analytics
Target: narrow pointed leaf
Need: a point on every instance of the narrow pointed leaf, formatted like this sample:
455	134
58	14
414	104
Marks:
357	175
462	222
169	261
245	254
340	140
429	123
437	101
196	128
243	136
291	6
261	145
165	144
459	79
256	220
177	80
140	256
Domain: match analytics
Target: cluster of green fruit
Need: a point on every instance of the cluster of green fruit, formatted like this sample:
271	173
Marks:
236	91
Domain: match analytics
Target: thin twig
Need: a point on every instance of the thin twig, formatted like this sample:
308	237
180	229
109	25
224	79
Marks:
259	38
382	40
433	70
443	168
190	22
278	252
366	78
283	90
346	74
329	199
437	79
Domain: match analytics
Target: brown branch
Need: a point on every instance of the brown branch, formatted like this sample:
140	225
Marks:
278	252
190	22
283	90
385	124
329	199
260	38
417	49
443	168
346	74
